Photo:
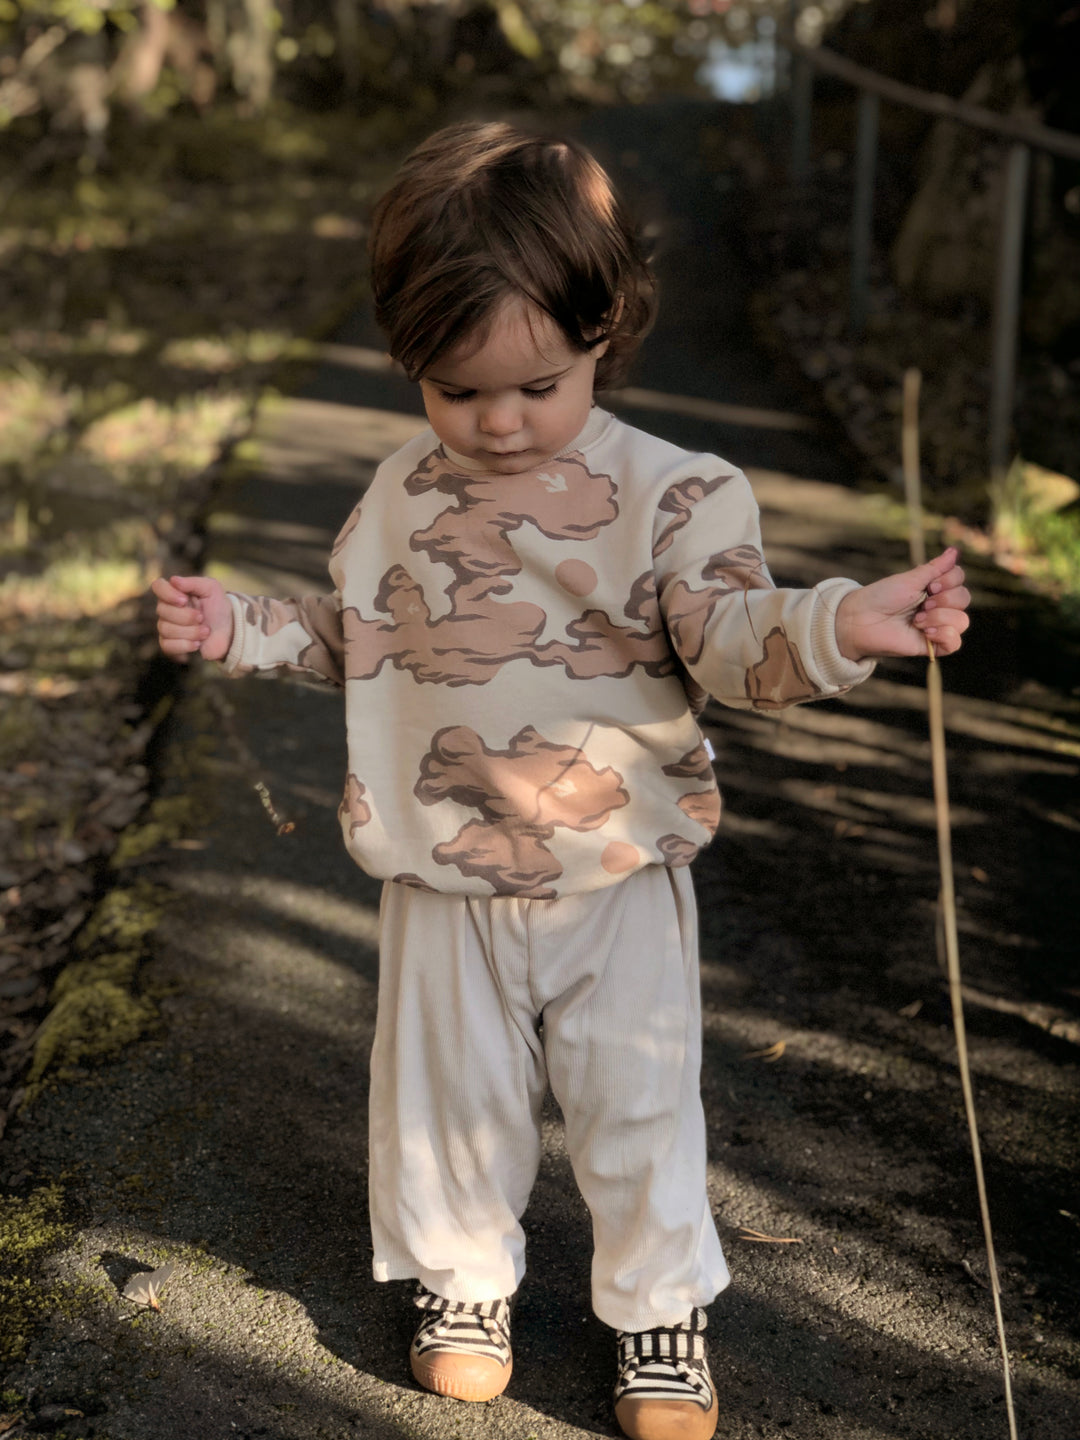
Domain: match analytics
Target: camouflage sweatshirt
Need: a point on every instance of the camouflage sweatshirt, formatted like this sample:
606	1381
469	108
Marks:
524	657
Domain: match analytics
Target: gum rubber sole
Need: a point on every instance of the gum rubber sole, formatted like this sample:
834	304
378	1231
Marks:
666	1419
460	1376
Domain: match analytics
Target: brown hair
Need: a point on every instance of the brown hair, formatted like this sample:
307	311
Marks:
481	212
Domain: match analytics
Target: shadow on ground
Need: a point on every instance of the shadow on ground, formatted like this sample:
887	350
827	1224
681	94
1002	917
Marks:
237	1144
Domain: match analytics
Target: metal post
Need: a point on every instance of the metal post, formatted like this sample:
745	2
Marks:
1007	310
862	215
786	57
802	95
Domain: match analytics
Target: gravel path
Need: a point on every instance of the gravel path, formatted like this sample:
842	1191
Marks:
234	1144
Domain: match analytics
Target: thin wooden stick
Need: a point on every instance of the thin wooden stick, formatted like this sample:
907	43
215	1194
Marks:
912	488
909	444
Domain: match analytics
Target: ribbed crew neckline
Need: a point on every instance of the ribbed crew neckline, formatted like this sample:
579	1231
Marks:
592	430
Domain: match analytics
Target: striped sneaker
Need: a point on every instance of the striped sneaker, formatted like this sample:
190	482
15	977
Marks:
664	1390
462	1350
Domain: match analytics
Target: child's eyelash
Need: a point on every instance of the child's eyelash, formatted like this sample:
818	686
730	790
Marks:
461	397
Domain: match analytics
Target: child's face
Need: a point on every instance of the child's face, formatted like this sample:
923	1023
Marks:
518	399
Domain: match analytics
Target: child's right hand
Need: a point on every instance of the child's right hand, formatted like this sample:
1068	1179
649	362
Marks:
194	613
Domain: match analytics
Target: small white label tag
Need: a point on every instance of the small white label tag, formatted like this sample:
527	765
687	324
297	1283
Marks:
708	749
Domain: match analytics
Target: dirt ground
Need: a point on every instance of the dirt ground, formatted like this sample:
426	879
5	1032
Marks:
234	1144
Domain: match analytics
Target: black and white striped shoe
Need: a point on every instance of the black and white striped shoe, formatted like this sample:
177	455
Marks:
664	1387
462	1350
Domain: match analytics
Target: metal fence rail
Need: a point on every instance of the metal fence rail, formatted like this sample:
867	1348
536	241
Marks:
1022	135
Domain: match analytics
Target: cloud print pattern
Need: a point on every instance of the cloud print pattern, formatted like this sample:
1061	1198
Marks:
523	657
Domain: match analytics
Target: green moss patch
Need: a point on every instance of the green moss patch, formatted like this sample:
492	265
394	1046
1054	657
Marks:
30	1230
171	817
96	1010
123	919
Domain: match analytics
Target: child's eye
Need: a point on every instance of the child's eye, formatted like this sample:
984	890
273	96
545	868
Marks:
458	398
542	394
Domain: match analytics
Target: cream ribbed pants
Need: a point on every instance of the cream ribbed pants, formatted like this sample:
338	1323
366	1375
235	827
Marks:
482	1003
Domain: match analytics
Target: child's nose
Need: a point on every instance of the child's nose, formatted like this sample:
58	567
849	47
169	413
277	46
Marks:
501	417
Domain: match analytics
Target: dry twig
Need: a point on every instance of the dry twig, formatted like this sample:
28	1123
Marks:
747	1232
770	1053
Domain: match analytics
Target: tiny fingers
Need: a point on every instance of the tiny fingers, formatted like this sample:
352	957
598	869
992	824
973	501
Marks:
927	619
168	593
944	639
952	579
179	649
944	629
183	632
177	615
955	597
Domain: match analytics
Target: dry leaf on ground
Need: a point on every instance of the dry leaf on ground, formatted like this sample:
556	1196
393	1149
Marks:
145	1287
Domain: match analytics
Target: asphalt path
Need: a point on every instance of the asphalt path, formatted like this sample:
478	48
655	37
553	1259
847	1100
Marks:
235	1143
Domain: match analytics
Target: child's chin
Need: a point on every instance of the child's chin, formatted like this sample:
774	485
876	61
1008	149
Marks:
512	464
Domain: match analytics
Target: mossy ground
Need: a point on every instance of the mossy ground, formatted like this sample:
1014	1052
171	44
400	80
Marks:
97	1007
30	1229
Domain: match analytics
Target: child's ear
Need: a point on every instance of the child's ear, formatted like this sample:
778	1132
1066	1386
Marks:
611	320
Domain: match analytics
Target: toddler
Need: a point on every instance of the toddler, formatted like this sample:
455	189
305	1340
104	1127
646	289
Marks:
532	602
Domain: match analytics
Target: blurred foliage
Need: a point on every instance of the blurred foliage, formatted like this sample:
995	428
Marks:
74	63
943	44
144	306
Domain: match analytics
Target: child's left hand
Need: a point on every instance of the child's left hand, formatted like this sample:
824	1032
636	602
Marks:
892	616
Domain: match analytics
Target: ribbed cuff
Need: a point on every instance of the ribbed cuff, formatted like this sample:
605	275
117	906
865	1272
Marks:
835	669
234	658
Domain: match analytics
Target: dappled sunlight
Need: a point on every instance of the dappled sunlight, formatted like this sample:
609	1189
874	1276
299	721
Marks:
851	802
290	532
342	434
146	435
261	952
995	721
922	1059
830	737
633	397
319	908
220	1331
819	1047
356	357
880	1342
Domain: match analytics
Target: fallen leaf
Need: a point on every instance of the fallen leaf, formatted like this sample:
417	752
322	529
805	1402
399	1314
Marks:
910	1011
770	1053
145	1287
8	1422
